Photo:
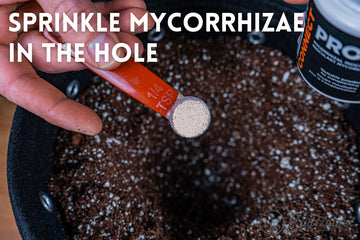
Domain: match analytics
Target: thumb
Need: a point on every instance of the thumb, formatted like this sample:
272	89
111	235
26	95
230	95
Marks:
90	39
297	1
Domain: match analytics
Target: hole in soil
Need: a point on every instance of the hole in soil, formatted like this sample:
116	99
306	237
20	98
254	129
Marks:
195	198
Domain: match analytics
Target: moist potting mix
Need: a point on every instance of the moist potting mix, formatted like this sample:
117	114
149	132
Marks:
277	161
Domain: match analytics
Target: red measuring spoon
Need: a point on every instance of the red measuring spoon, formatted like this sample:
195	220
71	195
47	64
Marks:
140	83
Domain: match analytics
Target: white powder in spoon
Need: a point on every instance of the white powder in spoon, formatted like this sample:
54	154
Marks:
191	118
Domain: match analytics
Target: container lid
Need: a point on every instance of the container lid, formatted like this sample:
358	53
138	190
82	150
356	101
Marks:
343	14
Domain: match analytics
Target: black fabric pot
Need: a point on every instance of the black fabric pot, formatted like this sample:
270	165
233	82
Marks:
31	139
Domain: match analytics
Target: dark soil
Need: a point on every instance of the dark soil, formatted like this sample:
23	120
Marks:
277	161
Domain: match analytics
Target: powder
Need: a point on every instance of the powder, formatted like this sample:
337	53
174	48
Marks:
191	118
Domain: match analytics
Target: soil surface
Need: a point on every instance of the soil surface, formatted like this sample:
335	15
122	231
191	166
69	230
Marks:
278	159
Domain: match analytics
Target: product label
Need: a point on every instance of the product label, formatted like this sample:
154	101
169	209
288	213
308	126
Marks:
329	59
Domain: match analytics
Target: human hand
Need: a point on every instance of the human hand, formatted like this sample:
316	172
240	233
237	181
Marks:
19	82
297	1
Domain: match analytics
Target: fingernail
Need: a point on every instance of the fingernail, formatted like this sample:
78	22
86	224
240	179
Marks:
101	40
91	130
120	52
139	30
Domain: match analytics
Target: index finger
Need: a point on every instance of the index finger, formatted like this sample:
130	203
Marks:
21	85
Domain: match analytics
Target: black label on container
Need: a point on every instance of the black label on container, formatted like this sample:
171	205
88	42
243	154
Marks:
329	59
